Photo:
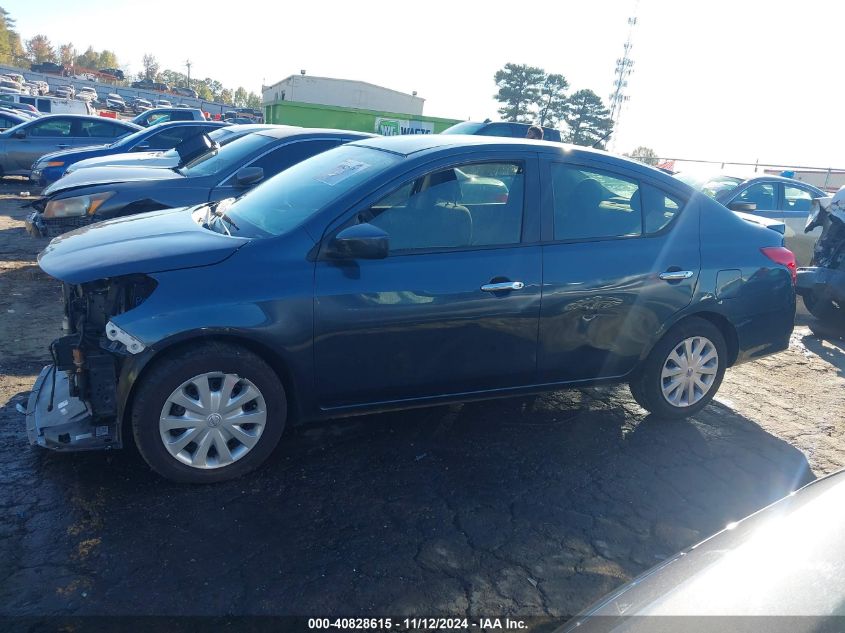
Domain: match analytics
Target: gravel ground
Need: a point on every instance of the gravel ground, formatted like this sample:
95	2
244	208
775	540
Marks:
515	507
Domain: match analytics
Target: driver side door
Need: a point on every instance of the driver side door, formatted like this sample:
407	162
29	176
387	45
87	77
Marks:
41	138
453	308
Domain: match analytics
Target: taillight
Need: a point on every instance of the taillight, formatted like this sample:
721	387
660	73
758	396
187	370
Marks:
783	256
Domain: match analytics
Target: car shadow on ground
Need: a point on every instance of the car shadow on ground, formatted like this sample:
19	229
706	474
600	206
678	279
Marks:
827	341
522	506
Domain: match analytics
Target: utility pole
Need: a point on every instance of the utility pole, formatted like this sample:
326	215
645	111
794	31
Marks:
188	64
624	68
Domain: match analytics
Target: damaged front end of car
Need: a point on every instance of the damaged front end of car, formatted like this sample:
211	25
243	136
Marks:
74	403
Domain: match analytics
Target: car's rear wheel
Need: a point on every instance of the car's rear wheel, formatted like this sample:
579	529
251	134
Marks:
207	414
683	371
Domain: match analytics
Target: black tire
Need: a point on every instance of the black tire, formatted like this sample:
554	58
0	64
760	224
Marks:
167	374
823	309
646	385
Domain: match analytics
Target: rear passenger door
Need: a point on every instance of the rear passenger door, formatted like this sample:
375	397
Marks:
88	132
620	257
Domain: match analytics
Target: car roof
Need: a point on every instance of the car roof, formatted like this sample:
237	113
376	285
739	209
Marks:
87	117
310	131
406	145
745	177
784	179
159	126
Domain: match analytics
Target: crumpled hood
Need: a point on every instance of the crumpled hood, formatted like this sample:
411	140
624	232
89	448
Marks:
108	175
144	243
132	159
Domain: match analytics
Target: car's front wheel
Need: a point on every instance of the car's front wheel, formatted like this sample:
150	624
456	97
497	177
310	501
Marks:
683	371
209	413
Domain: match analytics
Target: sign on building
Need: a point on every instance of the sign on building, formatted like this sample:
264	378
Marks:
394	127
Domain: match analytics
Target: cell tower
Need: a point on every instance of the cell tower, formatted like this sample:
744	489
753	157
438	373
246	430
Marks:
624	68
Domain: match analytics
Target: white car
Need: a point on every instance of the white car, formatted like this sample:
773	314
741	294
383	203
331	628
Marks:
86	93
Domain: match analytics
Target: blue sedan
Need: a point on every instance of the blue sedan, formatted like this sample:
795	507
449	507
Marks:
373	277
50	167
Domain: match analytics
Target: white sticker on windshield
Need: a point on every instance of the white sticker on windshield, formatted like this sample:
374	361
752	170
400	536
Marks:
343	171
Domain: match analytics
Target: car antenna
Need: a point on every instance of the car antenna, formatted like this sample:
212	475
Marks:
602	139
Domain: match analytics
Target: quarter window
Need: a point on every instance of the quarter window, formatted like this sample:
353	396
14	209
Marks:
472	205
591	204
659	209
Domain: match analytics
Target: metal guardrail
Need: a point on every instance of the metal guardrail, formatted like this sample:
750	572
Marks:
828	172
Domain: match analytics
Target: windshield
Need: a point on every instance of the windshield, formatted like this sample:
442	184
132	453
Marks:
217	160
131	138
294	195
708	183
467	127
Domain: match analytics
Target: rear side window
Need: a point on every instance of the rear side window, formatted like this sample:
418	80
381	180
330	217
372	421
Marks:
795	199
101	129
593	204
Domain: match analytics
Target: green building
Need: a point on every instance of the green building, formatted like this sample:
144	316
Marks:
348	105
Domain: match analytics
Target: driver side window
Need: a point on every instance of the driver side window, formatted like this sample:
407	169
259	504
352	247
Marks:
467	206
50	128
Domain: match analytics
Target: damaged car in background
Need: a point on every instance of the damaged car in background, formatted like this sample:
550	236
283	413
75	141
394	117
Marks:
99	193
370	277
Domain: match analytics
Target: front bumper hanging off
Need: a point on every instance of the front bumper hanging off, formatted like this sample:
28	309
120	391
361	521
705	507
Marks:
67	425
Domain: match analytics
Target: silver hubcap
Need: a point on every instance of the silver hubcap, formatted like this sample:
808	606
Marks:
689	372
212	420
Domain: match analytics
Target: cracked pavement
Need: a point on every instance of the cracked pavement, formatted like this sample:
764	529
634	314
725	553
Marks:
521	507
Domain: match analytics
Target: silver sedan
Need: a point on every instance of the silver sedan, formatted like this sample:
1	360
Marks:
22	145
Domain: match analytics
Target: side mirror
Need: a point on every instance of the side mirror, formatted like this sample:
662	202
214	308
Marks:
249	176
745	207
361	241
20	134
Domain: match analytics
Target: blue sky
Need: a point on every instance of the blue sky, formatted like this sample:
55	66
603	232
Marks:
722	80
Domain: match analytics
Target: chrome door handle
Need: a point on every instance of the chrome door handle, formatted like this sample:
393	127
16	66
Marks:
676	275
504	285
